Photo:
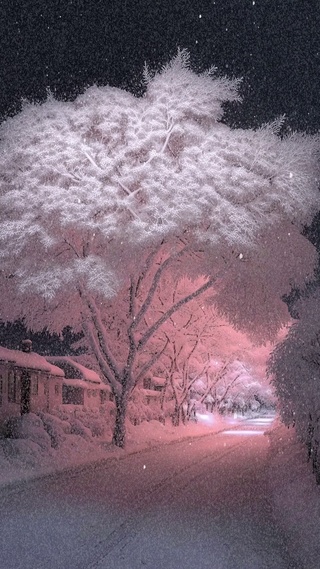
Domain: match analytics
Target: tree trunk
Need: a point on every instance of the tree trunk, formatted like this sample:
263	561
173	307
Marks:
191	413
175	419
119	431
178	415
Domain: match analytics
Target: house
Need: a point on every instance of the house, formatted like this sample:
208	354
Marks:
81	386
28	383
153	388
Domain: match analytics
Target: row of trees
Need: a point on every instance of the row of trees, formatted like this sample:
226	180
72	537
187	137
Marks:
43	341
203	358
232	388
110	202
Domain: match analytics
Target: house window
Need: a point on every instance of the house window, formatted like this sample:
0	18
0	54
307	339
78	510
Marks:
35	385
12	387
103	396
57	389
1	389
94	393
72	395
147	383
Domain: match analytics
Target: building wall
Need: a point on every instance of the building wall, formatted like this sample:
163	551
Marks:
9	399
55	391
45	390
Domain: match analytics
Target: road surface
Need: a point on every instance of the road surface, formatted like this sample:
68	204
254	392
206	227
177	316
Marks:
195	504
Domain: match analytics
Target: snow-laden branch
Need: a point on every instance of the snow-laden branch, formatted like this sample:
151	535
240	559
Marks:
150	363
104	347
165	144
144	339
91	334
155	282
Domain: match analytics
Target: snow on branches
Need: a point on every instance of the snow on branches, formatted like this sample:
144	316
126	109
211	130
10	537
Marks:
89	183
104	198
294	369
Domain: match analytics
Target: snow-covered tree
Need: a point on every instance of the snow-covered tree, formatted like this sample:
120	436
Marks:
294	367
185	338
192	341
95	192
239	390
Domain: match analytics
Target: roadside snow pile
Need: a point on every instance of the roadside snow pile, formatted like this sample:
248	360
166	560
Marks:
295	496
155	432
36	444
139	411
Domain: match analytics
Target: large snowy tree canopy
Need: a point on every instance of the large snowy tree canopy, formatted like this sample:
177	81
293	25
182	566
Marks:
86	186
105	199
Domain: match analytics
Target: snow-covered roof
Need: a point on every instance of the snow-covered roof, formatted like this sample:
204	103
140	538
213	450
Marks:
158	381
78	383
29	360
151	393
105	387
81	372
86	384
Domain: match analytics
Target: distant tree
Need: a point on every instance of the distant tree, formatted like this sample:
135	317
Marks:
44	342
101	197
182	338
239	390
12	334
191	341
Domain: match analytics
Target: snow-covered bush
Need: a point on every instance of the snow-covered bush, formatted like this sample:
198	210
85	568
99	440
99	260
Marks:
100	421
26	452
29	427
94	421
78	428
295	370
56	429
145	406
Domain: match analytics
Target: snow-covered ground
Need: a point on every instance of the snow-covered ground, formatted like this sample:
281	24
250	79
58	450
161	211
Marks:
294	496
45	443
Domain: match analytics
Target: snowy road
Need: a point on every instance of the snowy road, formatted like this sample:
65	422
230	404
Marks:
192	504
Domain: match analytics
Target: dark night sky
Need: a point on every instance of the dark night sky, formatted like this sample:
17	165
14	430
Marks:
68	44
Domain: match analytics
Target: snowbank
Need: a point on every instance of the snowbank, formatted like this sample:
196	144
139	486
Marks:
43	443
